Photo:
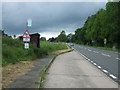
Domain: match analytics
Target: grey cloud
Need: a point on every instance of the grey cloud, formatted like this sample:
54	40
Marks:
47	17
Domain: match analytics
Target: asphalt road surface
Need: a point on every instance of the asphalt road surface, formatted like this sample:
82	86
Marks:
107	61
71	70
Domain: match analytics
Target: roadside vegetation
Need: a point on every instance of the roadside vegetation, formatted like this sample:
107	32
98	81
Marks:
100	26
102	48
53	46
100	30
14	52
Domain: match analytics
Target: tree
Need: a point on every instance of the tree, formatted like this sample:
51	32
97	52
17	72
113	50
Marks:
62	37
14	36
43	38
69	37
103	24
52	39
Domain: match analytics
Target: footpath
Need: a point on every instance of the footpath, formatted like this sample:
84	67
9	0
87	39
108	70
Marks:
31	78
71	70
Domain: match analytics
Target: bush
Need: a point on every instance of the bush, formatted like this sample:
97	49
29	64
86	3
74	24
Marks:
13	51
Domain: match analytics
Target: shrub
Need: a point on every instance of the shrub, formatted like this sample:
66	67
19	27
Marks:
13	51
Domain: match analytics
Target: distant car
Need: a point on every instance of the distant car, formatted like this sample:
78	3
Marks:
71	44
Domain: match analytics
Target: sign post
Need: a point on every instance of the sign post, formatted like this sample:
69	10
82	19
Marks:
26	35
105	41
26	39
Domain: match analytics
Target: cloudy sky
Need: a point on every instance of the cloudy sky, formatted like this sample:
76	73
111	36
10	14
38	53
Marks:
48	18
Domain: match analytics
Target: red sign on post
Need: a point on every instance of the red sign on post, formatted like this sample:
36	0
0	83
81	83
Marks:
26	36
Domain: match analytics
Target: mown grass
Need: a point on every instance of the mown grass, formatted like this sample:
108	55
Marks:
103	48
13	51
108	48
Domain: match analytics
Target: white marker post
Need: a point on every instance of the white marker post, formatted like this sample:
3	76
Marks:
105	41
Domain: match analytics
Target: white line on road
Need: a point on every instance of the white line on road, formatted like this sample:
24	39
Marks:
105	71
99	66
94	63
114	77
82	55
95	52
85	57
106	55
89	50
111	75
118	58
91	61
88	59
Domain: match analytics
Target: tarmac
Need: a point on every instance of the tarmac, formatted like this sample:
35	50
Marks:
31	79
71	70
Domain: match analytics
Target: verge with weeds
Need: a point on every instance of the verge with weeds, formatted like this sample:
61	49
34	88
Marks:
13	51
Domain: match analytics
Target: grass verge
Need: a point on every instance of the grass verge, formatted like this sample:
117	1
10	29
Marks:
13	51
102	48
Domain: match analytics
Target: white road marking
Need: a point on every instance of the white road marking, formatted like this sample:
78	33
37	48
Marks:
95	52
91	61
118	58
106	55
94	63
111	75
89	50
88	59
99	66
105	71
85	57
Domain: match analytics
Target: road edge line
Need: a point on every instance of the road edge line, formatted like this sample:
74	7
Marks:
101	69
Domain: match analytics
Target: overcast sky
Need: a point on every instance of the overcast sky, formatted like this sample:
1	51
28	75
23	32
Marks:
48	18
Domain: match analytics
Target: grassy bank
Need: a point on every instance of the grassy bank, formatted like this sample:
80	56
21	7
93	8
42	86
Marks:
51	47
103	48
107	48
13	51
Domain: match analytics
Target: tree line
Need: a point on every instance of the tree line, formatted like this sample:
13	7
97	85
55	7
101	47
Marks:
99	29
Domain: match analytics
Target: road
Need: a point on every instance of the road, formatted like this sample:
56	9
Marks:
107	61
71	70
